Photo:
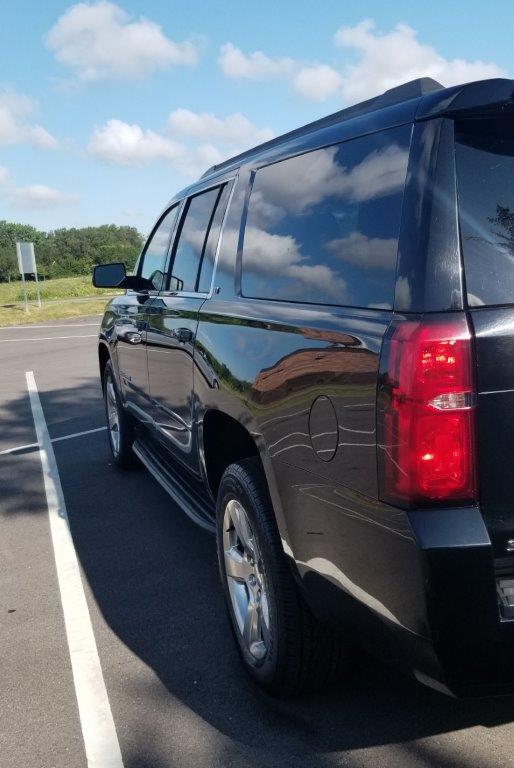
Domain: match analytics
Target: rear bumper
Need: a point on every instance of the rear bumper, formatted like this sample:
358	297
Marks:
473	648
416	588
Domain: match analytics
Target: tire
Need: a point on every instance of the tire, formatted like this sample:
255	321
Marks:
119	428
283	647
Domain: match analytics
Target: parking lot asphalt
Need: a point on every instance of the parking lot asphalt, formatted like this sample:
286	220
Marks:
177	693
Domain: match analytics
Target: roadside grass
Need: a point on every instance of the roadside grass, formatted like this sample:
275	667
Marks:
61	298
60	288
17	316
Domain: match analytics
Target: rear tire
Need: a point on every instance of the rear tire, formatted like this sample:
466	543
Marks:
119	428
284	648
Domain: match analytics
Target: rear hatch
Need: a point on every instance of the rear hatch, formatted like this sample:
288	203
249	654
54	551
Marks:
485	182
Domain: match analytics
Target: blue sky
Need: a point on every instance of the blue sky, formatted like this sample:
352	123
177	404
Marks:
107	109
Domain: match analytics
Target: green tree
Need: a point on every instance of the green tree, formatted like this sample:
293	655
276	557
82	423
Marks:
67	252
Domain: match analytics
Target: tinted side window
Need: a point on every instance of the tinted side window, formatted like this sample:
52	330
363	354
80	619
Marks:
323	227
191	242
204	281
156	252
485	170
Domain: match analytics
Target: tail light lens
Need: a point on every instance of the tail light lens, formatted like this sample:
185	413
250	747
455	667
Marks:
426	413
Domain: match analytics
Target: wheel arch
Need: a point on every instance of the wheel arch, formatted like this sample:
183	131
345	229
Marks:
103	358
226	439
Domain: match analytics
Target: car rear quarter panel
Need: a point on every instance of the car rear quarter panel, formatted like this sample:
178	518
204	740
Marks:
265	363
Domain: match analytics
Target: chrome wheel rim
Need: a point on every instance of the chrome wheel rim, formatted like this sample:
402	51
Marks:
246	580
112	416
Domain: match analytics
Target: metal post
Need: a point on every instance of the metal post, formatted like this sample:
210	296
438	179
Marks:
22	273
25	291
38	292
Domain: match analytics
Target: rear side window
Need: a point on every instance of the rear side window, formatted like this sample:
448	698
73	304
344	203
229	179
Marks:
323	227
211	244
191	241
485	177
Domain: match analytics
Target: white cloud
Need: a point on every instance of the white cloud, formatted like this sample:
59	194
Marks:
120	143
38	196
380	173
317	82
365	252
16	125
196	160
265	252
389	59
252	66
402	291
321	277
234	129
31	196
384	60
268	254
316	176
99	41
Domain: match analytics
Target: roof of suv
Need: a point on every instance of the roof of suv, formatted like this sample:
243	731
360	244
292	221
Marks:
428	97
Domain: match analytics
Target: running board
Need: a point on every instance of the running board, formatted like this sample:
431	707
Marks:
181	491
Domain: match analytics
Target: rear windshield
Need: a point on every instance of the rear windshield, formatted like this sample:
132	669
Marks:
485	177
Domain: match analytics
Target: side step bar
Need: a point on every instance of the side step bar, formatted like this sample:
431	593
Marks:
183	493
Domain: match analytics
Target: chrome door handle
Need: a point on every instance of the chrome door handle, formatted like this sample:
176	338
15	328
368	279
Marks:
129	334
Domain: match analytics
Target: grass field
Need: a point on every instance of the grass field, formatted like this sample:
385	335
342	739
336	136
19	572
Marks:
61	298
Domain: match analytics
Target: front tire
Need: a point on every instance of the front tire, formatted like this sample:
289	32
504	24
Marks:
119	428
282	645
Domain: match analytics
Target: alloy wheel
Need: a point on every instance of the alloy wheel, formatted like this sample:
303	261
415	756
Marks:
112	416
246	580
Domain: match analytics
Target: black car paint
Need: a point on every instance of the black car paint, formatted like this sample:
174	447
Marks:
416	586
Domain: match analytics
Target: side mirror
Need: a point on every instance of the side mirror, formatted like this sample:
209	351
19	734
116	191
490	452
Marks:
109	275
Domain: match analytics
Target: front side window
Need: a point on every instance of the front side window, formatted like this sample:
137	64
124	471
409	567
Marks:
154	259
323	227
485	170
192	240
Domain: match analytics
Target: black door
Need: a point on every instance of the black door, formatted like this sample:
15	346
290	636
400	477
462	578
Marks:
173	320
131	323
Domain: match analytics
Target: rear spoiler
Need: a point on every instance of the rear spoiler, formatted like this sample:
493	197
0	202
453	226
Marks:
481	99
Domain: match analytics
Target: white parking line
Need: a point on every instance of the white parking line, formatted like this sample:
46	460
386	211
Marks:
98	729
60	325
50	338
52	440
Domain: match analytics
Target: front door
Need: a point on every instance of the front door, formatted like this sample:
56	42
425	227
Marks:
132	317
173	320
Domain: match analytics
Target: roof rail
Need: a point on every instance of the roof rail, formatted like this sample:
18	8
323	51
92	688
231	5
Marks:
410	90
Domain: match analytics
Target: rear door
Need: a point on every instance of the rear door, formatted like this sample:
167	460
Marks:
173	321
131	323
485	177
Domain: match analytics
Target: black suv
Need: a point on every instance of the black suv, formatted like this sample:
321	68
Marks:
315	358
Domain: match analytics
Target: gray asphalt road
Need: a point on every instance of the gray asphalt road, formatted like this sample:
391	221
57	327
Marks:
177	693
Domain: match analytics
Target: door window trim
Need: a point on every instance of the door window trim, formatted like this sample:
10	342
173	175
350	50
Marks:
220	184
178	204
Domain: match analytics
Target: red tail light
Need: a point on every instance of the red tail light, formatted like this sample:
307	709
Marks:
427	413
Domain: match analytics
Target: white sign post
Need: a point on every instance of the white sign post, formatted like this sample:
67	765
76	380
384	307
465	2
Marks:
27	265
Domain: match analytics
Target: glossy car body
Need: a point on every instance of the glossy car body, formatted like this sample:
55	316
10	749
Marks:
212	377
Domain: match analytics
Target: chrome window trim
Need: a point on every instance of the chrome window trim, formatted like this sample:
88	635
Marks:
233	179
182	203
